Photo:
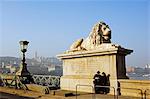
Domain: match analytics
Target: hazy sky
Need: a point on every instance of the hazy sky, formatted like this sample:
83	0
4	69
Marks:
52	26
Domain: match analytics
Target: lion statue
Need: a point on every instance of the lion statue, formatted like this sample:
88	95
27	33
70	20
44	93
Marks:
101	33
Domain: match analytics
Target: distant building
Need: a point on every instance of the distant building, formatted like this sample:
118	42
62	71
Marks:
12	68
8	66
147	69
37	65
38	70
36	56
4	70
51	68
147	66
3	65
130	69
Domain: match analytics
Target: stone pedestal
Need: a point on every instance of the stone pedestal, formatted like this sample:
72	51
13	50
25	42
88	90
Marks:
79	67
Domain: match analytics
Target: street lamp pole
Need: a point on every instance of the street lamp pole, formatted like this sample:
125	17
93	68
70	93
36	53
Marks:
23	67
22	76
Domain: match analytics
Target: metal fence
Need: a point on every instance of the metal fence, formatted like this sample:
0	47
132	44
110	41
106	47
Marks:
144	94
47	80
93	95
93	91
114	96
138	91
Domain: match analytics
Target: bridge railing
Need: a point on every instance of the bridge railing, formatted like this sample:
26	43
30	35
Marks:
47	80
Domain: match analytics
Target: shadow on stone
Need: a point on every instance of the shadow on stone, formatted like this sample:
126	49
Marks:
69	94
12	96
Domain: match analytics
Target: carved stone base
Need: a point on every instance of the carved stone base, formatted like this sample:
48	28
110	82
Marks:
79	67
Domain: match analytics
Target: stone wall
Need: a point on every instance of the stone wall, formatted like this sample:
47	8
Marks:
135	88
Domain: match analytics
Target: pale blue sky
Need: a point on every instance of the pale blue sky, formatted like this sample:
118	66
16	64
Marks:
52	26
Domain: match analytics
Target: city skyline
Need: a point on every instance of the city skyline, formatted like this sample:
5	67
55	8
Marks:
52	26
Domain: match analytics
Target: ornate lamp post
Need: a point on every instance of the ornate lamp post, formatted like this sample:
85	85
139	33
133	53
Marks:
23	67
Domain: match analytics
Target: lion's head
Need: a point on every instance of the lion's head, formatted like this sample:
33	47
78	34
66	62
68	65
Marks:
101	33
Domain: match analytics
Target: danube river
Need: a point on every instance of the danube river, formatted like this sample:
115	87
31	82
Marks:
138	76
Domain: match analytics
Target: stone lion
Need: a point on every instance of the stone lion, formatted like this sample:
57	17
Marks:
101	33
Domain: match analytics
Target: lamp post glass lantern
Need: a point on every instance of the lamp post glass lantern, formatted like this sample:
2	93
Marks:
23	45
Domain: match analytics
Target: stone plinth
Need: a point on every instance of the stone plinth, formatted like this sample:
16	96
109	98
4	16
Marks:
79	67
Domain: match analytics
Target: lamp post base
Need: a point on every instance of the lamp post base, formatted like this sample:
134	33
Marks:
24	74
23	70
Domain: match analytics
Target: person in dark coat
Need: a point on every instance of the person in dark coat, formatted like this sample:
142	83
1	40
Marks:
97	81
104	82
108	83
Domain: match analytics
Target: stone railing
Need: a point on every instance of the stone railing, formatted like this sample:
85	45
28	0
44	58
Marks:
138	88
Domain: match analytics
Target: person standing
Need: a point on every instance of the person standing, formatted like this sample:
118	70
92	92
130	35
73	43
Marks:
104	82
97	81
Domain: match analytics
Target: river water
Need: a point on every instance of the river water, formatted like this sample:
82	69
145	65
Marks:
137	76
